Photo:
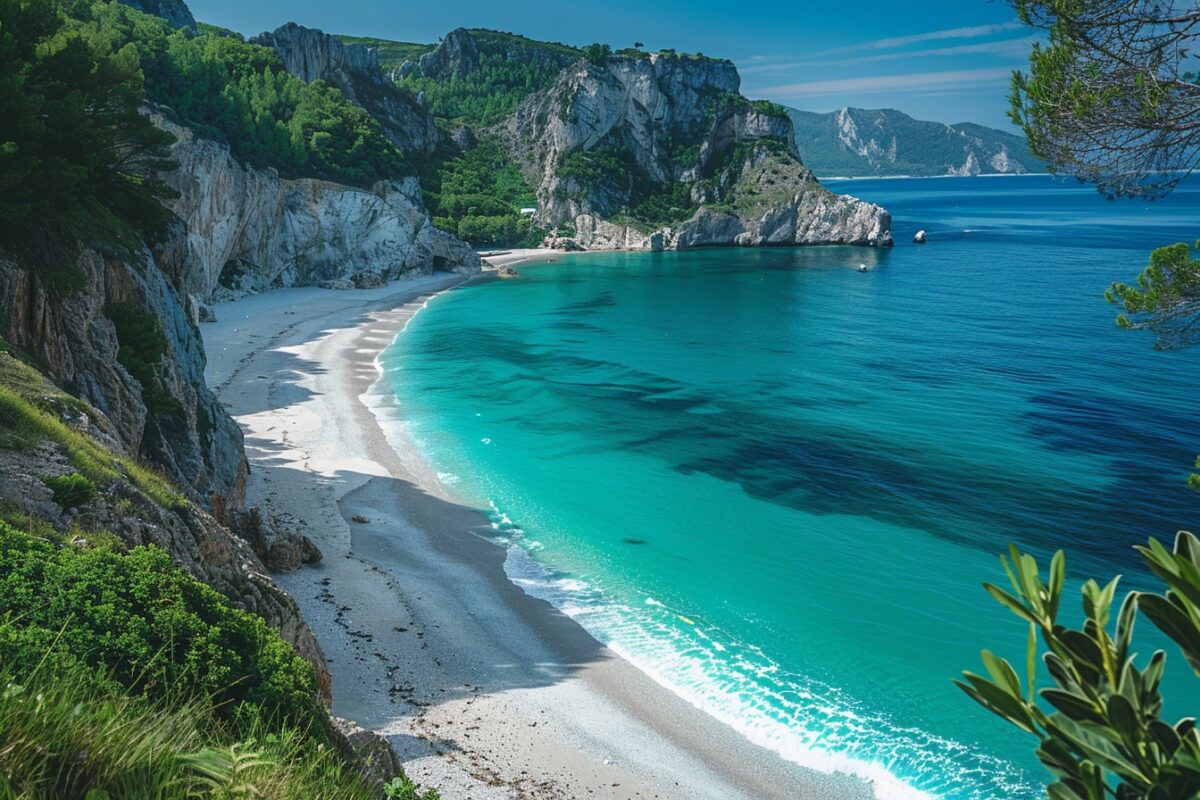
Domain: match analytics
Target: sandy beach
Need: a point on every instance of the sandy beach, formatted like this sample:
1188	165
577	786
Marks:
485	691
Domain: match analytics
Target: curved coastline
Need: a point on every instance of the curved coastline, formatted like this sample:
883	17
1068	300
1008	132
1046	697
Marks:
484	690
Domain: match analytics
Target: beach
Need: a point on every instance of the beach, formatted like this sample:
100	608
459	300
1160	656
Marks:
484	691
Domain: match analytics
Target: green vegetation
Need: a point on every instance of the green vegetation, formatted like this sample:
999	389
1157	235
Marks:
769	109
391	54
29	414
1166	299
1112	94
478	195
120	676
142	347
1102	734
71	491
510	69
240	93
137	622
77	160
597	53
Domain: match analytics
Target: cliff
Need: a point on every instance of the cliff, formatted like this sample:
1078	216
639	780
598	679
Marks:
175	12
354	69
860	142
664	148
249	230
173	420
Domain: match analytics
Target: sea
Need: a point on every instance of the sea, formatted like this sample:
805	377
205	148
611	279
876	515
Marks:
775	479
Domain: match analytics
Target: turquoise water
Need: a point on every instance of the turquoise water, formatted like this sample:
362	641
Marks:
776	483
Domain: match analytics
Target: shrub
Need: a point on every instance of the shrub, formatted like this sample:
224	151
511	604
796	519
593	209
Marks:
142	346
138	623
71	491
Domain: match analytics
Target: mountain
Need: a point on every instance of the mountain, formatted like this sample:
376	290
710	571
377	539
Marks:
617	149
854	142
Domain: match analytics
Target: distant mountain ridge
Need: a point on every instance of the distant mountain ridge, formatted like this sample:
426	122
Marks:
856	142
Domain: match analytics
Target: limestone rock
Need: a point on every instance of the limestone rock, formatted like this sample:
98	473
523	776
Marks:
661	119
248	230
175	12
194	442
372	754
354	69
280	549
456	56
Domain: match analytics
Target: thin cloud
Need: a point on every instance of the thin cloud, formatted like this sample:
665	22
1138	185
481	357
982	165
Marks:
910	82
972	32
1006	47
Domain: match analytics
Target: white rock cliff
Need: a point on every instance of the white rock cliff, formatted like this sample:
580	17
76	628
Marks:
249	230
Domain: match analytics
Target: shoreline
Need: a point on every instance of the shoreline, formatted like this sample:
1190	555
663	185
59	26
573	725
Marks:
485	691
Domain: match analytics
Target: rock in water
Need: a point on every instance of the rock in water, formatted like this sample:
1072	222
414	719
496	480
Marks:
920	237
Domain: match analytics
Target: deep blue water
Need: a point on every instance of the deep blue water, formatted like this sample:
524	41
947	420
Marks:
776	483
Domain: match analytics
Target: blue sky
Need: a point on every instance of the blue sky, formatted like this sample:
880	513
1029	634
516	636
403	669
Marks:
946	60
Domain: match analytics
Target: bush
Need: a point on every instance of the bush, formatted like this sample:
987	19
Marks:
138	623
142	346
1099	728
71	491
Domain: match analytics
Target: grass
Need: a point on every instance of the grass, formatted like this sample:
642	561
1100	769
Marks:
66	736
30	409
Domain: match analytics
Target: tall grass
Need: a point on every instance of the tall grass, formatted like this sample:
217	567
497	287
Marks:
68	736
25	422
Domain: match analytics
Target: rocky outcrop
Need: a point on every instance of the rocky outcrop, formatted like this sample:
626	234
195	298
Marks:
280	549
248	230
456	56
175	12
195	541
354	69
608	136
461	51
188	436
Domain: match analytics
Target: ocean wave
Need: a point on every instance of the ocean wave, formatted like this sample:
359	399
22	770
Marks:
804	721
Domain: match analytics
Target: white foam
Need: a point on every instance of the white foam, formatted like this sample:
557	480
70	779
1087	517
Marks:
803	721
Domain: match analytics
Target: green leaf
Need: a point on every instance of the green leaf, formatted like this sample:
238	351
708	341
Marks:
1075	706
1175	624
997	701
1002	673
1058	570
1011	603
1124	719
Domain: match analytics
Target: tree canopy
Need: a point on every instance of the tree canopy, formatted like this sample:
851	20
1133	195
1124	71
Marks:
1166	299
1113	96
76	157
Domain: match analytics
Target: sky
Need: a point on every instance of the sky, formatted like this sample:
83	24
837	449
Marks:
944	60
